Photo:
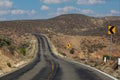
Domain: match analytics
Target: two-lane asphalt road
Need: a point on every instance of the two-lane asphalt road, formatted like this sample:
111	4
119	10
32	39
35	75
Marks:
68	70
51	67
43	70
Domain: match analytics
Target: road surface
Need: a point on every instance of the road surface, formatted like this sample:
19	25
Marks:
51	67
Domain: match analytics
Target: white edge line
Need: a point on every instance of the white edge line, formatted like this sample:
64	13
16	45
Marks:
96	70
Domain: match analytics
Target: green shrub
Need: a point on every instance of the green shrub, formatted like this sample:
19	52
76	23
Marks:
25	45
72	51
22	51
5	42
107	57
22	48
11	49
8	64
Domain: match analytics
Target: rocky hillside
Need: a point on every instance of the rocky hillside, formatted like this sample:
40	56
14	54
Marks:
70	24
15	50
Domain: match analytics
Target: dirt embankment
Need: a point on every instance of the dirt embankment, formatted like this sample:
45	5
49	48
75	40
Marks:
21	50
89	50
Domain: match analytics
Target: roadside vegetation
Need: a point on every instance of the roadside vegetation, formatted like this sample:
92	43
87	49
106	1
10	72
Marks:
15	50
4	41
72	51
91	50
22	48
88	47
7	42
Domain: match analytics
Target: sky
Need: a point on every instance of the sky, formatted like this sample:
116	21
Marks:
44	9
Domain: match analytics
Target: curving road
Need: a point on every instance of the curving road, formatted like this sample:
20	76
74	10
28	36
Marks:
51	67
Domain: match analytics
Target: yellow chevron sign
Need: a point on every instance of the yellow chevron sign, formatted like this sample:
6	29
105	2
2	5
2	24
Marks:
111	29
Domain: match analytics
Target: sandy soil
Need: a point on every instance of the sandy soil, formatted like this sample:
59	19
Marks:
96	57
9	62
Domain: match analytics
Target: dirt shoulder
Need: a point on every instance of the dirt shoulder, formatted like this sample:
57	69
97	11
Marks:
17	54
89	50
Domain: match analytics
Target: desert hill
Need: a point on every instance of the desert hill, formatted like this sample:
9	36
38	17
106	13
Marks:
70	24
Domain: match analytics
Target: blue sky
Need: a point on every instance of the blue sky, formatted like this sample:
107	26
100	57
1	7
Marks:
43	9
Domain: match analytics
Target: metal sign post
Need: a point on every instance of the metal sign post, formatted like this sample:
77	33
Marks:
110	47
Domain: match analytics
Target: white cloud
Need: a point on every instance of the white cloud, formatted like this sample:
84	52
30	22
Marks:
17	12
114	12
87	11
90	2
4	12
21	12
65	9
6	4
5	9
111	13
54	1
44	7
68	9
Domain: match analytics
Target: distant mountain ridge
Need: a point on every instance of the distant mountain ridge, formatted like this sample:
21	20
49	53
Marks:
71	24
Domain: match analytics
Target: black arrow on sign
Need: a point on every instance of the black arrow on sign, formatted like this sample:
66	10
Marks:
111	29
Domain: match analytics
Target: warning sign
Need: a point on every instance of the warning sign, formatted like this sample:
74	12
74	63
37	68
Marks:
111	29
68	45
